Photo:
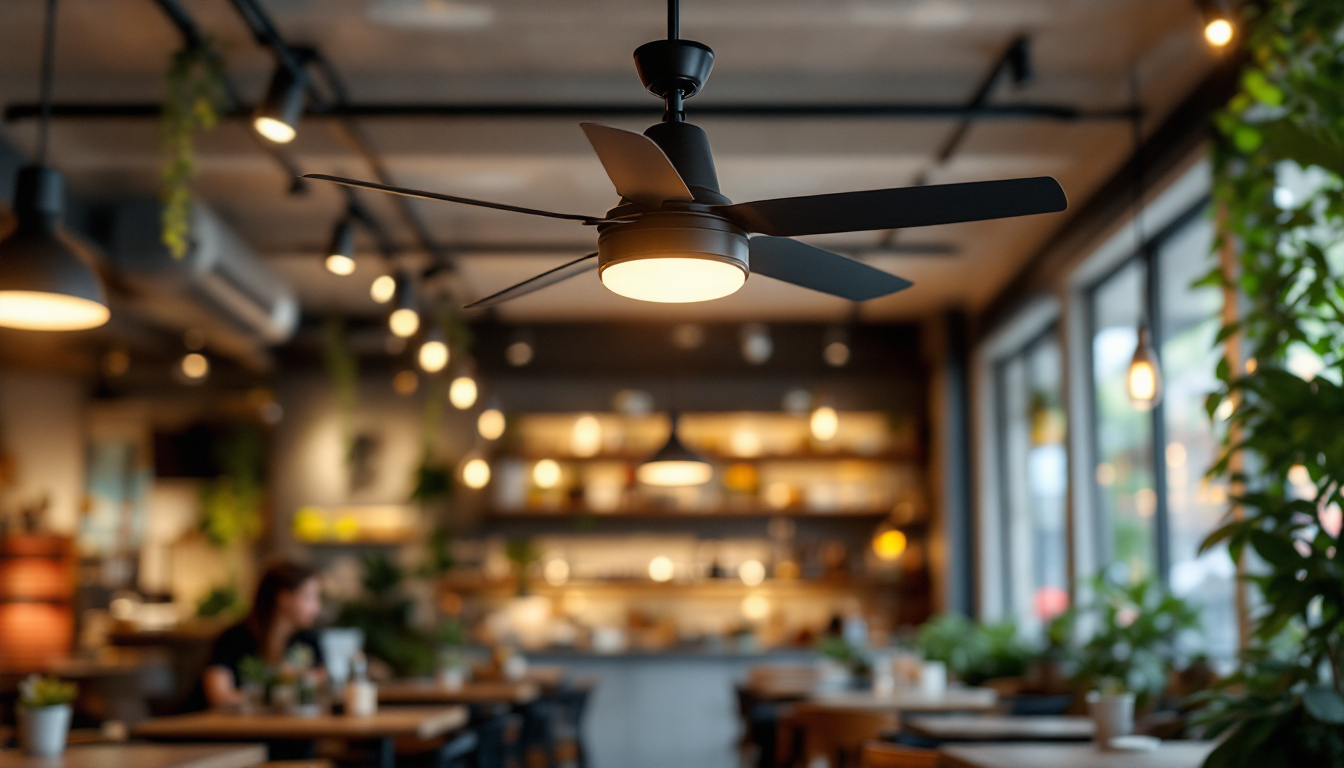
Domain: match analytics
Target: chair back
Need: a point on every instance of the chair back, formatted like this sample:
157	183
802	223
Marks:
839	735
880	754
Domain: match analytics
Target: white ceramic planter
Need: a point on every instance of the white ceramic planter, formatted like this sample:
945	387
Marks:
42	731
1112	716
453	677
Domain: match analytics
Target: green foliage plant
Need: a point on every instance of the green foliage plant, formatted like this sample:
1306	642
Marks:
1279	184
384	613
974	652
232	502
39	691
193	99
1134	636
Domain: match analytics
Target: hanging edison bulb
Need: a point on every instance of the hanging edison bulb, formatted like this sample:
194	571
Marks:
1144	379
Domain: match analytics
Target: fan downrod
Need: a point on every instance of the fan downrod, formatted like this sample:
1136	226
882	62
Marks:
674	69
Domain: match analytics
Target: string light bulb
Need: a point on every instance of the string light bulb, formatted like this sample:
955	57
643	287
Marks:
195	367
434	353
824	423
1219	27
1144	378
462	392
476	473
491	423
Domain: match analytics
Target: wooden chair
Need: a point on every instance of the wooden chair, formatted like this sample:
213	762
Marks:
838	735
880	754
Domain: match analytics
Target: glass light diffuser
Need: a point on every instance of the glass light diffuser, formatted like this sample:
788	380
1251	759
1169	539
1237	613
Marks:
673	279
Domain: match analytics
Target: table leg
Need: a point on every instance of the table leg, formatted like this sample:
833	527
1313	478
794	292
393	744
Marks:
387	753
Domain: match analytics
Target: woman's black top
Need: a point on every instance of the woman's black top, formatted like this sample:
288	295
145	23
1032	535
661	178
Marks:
237	643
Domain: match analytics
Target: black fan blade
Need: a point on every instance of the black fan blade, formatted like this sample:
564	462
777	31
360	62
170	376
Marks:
544	280
452	199
636	166
898	208
809	267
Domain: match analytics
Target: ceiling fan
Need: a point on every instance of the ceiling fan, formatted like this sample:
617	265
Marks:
675	238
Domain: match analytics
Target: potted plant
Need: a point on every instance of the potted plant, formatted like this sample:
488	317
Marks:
1111	707
453	669
1137	632
44	715
1278	174
255	679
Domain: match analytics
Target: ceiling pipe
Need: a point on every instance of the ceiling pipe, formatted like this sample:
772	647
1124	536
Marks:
415	110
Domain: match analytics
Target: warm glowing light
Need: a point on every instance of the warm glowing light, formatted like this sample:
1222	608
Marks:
1299	475
661	569
476	473
778	495
519	353
405	383
674	279
1142	384
490	424
1145	502
745	442
462	392
404	322
825	423
1050	602
755	607
195	366
1176	455
274	130
586	438
382	290
1219	32
340	264
889	545
751	572
556	572
836	354
546	473
39	311
433	356
674	473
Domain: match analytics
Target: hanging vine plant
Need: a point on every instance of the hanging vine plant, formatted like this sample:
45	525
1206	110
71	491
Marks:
194	97
1279	184
343	367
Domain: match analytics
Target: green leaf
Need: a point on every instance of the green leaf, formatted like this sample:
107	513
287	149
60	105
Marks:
1324	703
1276	549
1259	87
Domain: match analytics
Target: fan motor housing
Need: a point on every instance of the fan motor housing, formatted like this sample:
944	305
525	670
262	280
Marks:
673	234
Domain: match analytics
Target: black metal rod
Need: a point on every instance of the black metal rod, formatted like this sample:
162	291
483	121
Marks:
900	111
977	103
192	38
673	19
48	73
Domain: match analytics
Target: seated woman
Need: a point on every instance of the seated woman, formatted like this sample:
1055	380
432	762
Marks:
279	627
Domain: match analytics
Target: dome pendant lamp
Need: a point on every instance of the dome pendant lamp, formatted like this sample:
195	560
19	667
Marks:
47	282
675	465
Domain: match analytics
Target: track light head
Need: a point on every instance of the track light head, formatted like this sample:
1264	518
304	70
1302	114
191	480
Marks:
341	254
277	116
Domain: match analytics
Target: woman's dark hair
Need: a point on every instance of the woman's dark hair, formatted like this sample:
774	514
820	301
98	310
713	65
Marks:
284	576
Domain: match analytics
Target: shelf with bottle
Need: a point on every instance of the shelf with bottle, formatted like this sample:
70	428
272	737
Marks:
653	514
475	584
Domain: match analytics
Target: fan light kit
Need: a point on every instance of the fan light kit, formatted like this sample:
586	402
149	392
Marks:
674	238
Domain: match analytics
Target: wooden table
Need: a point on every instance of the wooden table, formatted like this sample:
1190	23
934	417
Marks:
383	727
1000	728
953	700
1171	754
144	756
472	693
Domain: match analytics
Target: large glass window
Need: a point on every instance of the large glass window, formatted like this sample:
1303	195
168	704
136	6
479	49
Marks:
1189	320
1033	482
1126	496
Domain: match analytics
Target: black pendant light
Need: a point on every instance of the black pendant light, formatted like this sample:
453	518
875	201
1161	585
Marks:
47	282
1143	380
674	464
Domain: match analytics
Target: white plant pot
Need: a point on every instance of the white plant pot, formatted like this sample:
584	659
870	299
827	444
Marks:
452	678
933	679
1112	716
42	731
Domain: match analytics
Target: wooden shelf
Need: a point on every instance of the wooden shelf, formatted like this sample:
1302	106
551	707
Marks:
726	587
652	515
882	457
